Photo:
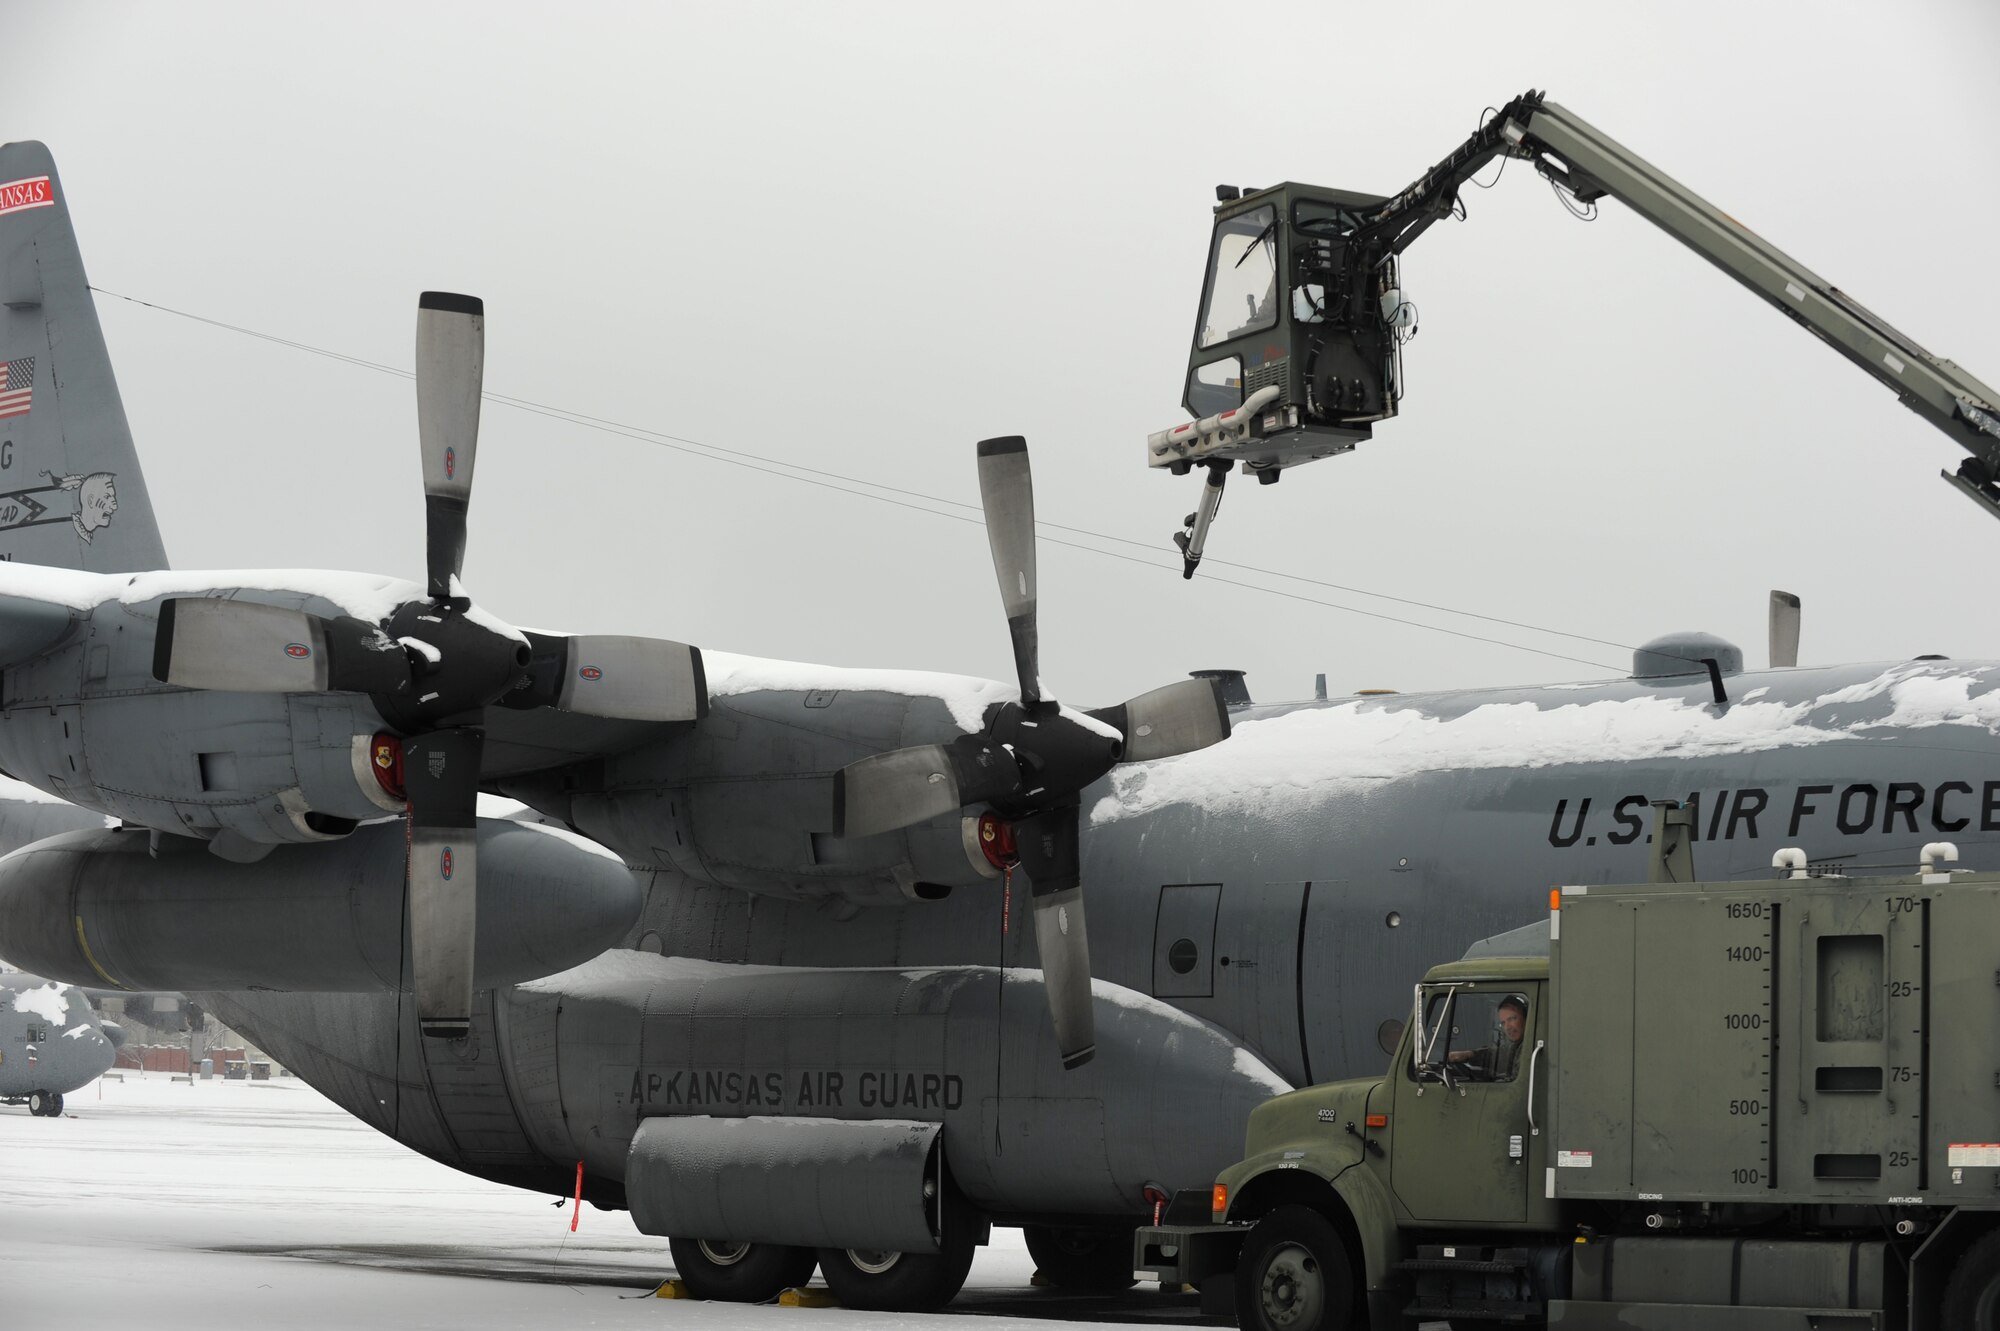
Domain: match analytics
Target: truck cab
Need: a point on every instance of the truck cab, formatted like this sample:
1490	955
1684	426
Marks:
1446	1140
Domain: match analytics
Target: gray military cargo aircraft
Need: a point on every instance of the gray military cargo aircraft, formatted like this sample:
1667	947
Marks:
51	1043
823	1037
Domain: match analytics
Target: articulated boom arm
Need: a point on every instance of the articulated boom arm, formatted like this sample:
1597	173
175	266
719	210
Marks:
1316	364
1589	163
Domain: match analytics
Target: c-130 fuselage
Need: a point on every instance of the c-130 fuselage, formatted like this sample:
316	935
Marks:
1260	911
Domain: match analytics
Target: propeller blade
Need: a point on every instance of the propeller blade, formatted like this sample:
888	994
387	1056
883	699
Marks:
885	791
1784	630
1179	718
248	647
904	787
1049	854
441	777
451	354
1007	491
621	678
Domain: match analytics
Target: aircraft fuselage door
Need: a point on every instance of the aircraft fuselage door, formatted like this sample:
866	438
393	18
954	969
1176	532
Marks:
1184	940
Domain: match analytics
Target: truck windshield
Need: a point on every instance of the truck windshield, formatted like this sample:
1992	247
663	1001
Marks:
1475	1034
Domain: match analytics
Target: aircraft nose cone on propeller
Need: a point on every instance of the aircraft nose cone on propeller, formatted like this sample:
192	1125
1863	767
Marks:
1034	758
433	666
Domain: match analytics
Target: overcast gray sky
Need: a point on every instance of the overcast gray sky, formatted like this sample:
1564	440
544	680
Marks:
861	237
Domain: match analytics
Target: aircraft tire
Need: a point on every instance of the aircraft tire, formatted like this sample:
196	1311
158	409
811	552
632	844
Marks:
897	1282
1082	1258
740	1272
1972	1295
43	1105
1295	1275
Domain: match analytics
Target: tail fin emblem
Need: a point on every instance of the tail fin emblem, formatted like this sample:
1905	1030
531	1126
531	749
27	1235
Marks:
33	192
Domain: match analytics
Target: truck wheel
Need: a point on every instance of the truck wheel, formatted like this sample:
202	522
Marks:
740	1272
1076	1257
1972	1295
1294	1275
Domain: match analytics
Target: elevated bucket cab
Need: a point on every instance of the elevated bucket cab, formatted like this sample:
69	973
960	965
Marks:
1297	341
1283	308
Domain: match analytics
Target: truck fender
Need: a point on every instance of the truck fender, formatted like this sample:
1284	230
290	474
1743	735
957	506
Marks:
1932	1263
1353	1200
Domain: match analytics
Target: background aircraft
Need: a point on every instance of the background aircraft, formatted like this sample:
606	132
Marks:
1258	906
51	1043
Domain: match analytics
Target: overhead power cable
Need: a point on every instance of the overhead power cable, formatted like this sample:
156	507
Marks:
968	513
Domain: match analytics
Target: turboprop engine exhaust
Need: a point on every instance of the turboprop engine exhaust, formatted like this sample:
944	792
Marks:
96	908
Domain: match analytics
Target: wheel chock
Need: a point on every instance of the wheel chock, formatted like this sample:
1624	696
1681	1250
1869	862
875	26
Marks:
1040	1281
672	1289
807	1296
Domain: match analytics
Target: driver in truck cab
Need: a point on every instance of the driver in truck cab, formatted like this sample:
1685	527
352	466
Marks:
1499	1060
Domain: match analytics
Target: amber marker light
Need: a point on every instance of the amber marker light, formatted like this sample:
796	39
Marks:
1555	898
1378	1120
1219	1199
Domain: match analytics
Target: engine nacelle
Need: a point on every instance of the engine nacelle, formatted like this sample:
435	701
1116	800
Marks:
247	769
744	798
97	908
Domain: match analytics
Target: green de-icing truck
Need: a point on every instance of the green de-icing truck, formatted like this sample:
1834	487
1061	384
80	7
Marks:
1725	1106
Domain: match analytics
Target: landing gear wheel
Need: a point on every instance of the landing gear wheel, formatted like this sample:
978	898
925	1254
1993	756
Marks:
870	1280
731	1272
1295	1275
44	1105
1972	1295
1079	1258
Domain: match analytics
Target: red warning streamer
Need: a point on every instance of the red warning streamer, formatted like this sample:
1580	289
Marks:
576	1211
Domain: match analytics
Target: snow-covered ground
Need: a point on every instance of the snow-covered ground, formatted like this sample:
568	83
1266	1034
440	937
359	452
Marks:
161	1204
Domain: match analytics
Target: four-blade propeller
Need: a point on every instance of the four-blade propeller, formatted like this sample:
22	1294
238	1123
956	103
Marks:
433	666
1034	758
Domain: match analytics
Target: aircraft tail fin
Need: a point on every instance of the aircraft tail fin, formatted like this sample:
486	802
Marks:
71	492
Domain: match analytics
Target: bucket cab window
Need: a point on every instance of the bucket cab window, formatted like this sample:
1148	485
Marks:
1242	294
1320	227
1216	386
1466	1034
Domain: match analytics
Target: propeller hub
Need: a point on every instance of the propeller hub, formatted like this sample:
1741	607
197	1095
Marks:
457	665
1058	753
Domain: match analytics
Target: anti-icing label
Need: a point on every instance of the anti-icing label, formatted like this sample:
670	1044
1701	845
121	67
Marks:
1572	1159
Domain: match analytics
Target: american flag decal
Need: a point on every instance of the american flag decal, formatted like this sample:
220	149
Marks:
17	386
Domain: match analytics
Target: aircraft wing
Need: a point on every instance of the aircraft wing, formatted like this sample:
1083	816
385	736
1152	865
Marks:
520	741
